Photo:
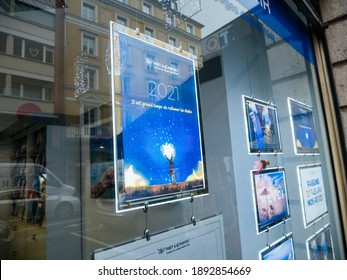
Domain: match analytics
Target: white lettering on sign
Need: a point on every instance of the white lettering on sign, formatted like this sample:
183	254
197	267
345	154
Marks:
266	5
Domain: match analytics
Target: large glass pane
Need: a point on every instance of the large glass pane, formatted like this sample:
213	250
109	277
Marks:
204	132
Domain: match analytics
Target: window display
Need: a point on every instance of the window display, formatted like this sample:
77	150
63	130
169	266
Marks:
185	130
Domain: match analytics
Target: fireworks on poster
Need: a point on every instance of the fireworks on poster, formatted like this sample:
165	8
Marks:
158	139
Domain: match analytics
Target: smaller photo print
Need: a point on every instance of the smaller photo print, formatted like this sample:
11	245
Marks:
262	126
320	245
271	199
303	128
282	249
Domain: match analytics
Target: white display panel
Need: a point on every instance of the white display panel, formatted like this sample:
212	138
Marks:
205	240
313	192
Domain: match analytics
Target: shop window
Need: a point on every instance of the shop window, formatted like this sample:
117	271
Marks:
89	44
89	12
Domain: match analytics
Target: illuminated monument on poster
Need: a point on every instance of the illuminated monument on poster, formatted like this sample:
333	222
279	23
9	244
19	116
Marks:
157	136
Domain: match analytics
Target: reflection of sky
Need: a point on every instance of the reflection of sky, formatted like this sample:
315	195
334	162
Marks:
282	252
146	129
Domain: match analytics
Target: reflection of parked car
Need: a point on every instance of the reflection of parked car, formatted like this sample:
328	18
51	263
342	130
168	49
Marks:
59	206
37	190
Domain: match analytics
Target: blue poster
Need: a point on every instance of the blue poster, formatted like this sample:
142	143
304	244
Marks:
160	146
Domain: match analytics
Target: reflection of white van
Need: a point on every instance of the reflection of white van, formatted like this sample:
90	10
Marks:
28	184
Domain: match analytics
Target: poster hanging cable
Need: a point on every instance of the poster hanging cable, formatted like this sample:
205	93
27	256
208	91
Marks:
146	232
193	219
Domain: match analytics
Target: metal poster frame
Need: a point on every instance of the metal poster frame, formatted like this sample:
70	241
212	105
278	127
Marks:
312	192
303	128
158	148
282	249
262	126
271	203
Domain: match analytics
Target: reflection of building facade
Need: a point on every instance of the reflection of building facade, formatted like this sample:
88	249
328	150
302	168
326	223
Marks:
27	58
91	19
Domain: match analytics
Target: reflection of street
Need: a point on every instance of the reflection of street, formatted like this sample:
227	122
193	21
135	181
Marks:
100	227
106	228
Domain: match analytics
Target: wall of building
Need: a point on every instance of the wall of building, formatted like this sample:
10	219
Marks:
334	15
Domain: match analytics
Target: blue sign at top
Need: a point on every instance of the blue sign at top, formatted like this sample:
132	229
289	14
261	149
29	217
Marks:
280	18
